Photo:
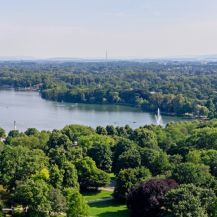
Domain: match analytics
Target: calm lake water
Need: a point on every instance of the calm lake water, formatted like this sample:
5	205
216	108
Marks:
28	109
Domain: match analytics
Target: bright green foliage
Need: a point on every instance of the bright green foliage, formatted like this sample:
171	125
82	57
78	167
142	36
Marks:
187	173
190	201
205	138
95	139
75	131
42	174
127	178
156	161
194	156
34	194
145	138
19	163
77	206
89	175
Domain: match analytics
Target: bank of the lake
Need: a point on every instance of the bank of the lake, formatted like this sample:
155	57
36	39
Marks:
28	109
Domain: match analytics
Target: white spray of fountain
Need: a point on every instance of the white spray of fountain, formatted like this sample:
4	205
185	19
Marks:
158	118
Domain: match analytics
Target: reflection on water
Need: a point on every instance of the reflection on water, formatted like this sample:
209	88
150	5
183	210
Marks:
30	110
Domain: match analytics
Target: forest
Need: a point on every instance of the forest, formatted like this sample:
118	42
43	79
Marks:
155	171
177	88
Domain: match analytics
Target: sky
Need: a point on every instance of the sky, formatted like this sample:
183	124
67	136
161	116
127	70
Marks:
125	28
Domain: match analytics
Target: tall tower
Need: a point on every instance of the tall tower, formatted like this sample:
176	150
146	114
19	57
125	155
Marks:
106	55
15	125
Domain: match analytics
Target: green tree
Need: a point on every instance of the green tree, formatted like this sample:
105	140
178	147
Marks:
122	145
70	177
156	161
31	132
101	130
209	157
89	175
56	176
2	133
57	139
57	201
19	163
111	130
205	138
77	206
128	159
190	201
145	138
102	155
128	178
33	194
187	173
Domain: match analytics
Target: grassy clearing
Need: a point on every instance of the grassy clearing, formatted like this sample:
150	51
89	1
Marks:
108	209
104	208
94	195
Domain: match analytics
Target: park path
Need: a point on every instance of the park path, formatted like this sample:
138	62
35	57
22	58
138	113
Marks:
110	189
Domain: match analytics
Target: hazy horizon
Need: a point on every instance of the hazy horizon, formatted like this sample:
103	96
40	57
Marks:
126	28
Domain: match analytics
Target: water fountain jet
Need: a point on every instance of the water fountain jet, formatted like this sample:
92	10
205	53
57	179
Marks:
158	118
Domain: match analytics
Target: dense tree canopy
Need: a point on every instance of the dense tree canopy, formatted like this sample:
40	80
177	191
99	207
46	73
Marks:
46	172
182	88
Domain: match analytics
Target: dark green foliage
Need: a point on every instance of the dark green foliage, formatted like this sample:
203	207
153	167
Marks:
156	161
209	157
56	176
2	133
101	130
123	145
102	155
31	132
70	177
128	159
57	201
128	178
176	88
57	139
111	130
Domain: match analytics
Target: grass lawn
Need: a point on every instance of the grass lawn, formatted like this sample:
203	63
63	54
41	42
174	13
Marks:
108	209
94	195
104	208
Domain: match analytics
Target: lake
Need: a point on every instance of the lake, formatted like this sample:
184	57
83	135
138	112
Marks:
28	109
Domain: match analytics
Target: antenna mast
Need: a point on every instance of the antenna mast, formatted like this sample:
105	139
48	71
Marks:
106	54
15	125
